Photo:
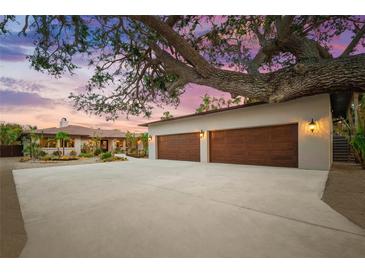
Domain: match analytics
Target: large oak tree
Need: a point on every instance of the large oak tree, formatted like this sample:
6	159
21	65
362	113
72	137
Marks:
144	60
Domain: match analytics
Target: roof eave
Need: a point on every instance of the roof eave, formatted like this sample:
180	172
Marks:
202	113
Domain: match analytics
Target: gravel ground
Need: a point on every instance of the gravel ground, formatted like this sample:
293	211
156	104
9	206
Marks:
345	191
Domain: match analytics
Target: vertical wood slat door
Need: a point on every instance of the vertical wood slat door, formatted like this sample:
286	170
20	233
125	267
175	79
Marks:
184	147
267	146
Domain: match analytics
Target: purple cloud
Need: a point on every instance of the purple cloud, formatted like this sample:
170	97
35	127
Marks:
9	83
12	53
13	99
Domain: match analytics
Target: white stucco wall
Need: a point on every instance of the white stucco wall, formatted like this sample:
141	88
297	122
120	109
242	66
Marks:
314	149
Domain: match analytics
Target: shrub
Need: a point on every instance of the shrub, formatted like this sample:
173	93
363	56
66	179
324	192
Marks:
68	158
86	148
47	157
42	153
118	150
86	155
113	159
57	153
73	153
25	159
97	151
106	155
358	145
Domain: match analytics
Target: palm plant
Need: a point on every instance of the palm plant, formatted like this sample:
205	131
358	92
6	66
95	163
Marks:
32	147
62	137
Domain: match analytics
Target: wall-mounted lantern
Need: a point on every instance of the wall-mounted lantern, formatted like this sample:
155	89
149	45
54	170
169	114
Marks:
202	134
312	125
149	138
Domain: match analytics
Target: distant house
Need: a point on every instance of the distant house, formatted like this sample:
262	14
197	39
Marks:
80	136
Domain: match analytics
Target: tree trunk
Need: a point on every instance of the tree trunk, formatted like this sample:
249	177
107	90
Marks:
63	147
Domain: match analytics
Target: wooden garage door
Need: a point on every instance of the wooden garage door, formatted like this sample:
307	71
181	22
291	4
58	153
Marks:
185	147
269	146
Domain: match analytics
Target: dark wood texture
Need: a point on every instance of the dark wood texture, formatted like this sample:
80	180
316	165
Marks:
11	150
268	146
185	147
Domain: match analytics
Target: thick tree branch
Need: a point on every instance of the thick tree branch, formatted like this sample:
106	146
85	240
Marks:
180	44
359	35
173	19
335	75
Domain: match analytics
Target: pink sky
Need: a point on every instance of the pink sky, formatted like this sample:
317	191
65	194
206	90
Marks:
30	97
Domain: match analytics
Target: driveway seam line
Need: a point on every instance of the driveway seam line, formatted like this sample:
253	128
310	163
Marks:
260	211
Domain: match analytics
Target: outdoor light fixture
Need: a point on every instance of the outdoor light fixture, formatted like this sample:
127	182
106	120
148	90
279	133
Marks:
312	125
201	133
150	138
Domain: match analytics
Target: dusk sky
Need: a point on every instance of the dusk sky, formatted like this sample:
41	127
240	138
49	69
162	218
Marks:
30	97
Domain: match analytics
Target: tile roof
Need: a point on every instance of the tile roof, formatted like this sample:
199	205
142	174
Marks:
84	131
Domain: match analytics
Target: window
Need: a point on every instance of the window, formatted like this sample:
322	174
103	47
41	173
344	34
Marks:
48	142
69	143
119	143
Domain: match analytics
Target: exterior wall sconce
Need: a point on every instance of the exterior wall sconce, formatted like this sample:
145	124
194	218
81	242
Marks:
201	133
312	125
149	138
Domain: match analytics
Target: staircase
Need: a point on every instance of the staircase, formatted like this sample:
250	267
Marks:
342	149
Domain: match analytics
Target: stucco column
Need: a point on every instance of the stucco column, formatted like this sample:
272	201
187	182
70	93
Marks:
152	148
124	144
78	145
204	150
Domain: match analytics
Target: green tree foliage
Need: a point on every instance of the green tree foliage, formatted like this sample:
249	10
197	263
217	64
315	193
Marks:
358	144
213	103
166	115
144	139
10	133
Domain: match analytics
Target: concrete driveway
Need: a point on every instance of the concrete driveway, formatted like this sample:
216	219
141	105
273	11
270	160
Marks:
144	208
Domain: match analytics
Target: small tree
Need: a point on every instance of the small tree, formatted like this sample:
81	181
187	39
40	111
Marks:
95	144
131	140
166	115
62	137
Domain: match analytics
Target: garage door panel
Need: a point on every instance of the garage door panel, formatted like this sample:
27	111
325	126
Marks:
272	146
185	147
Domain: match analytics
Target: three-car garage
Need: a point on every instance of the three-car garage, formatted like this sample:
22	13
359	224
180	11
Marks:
269	146
277	135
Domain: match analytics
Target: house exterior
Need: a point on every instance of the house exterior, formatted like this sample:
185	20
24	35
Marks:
259	134
109	139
